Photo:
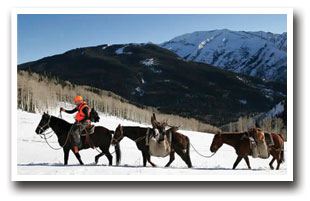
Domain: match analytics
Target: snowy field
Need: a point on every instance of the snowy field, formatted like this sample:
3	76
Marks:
34	157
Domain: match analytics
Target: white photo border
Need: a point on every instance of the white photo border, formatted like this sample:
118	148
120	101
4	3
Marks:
154	10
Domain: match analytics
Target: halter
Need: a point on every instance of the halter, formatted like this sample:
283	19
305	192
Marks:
117	140
44	134
43	127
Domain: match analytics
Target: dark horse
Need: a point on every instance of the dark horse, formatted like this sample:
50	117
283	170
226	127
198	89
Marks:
100	138
179	143
241	143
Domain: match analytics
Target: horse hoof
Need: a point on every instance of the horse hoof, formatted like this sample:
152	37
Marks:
271	167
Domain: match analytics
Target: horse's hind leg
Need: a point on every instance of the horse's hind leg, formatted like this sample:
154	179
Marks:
185	157
271	162
278	157
237	161
171	158
97	157
246	158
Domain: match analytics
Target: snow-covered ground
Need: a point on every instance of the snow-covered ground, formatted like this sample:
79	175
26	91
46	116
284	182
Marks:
34	157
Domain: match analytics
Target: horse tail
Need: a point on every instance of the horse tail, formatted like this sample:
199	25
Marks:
118	153
282	149
281	136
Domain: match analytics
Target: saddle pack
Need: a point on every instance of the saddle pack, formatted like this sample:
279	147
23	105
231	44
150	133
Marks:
260	148
159	144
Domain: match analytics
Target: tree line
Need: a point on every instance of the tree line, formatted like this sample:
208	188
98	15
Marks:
43	92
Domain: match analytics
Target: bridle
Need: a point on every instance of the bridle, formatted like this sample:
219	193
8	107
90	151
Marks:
117	140
45	126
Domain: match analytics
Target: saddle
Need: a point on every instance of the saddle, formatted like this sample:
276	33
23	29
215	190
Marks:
90	129
159	144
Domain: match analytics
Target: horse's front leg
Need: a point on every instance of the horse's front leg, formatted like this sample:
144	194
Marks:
144	158
78	156
66	155
171	158
147	156
246	158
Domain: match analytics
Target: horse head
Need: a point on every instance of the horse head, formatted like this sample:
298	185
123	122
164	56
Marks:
94	117
118	135
44	123
217	142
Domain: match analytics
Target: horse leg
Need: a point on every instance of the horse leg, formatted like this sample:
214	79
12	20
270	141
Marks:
109	157
237	161
185	158
171	158
78	156
144	158
148	157
66	156
278	157
271	162
97	157
246	158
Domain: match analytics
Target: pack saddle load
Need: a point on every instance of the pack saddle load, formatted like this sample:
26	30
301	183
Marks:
159	144
260	143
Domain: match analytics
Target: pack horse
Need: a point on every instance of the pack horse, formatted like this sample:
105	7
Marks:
243	144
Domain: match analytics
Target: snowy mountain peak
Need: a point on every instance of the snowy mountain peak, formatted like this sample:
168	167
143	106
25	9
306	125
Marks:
260	54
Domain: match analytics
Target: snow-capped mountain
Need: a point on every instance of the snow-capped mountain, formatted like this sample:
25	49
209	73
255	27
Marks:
260	54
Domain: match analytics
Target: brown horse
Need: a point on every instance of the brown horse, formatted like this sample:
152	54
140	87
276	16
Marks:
241	143
179	143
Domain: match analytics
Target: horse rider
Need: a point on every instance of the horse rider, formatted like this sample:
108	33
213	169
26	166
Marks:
82	120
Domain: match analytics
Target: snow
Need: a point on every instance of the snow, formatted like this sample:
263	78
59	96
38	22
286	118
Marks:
243	101
104	47
140	91
202	44
34	157
121	50
149	62
278	109
254	53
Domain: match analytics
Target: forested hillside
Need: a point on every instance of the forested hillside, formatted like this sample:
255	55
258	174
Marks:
39	93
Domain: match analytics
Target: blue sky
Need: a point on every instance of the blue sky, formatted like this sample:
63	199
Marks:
45	35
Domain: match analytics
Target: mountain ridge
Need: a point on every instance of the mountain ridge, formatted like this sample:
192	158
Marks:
147	74
260	54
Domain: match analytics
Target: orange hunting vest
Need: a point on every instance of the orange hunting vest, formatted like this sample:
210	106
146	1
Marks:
80	115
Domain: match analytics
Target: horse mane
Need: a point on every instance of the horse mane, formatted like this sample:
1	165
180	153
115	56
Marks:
60	125
61	120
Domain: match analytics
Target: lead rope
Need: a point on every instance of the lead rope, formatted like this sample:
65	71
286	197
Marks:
202	154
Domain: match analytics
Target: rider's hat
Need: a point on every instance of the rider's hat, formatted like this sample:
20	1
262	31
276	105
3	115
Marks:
78	98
